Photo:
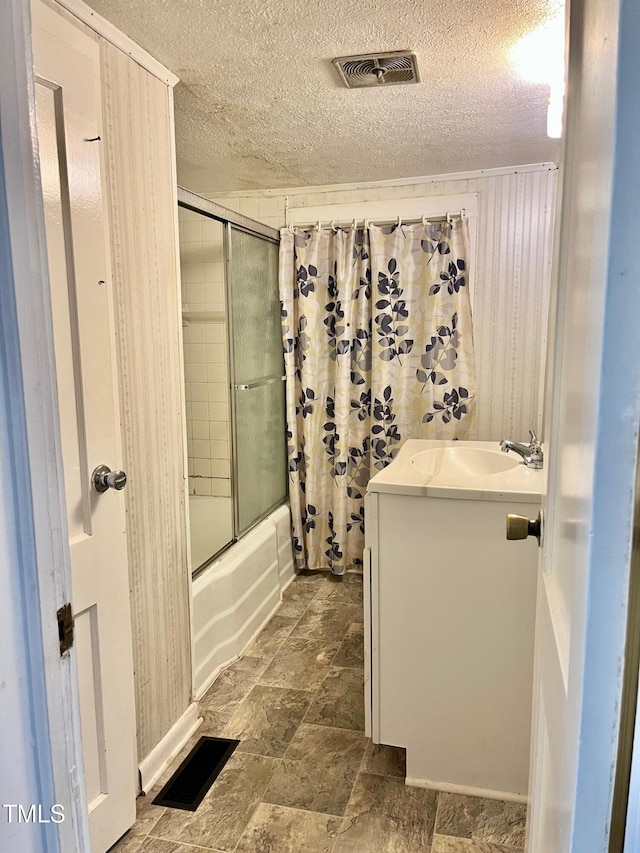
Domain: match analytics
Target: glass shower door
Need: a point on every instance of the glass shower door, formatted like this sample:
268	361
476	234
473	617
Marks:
257	364
206	369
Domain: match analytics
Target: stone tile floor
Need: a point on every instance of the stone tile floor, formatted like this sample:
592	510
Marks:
304	777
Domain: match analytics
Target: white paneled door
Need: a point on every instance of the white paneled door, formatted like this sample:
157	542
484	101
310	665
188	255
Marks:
591	433
68	107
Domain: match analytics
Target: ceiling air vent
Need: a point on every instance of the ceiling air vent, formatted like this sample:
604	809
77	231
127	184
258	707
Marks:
378	69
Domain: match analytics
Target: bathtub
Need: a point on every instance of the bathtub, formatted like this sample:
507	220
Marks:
211	526
235	596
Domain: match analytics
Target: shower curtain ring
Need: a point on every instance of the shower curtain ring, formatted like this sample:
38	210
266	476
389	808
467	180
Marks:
399	223
333	225
319	228
424	220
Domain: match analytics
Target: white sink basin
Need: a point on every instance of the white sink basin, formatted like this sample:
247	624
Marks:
462	462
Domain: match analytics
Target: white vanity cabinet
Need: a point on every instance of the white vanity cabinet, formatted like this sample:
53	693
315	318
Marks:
450	610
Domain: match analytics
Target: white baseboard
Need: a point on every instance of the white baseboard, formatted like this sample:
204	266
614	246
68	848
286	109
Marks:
467	790
161	756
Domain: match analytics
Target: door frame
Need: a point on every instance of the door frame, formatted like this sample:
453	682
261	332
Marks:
33	462
32	465
617	422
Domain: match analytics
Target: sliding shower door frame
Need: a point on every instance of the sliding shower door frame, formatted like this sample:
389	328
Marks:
233	422
203	205
228	219
234	386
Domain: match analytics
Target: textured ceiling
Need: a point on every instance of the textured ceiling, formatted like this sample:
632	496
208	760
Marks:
260	104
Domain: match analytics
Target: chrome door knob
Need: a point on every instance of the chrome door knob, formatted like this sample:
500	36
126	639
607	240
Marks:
104	478
519	526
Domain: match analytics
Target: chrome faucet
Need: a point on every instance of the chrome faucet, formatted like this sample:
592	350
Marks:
531	453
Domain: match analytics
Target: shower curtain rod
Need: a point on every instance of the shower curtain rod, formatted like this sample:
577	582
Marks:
334	223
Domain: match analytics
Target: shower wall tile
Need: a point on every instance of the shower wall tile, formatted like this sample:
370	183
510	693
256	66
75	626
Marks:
199	429
201	449
221	468
199	411
217	373
202	486
219	411
205	354
185	215
197	372
214	334
219	450
213	296
196	353
220	488
196	333
215	354
201	467
210	231
194	293
192	232
192	273
198	391
217	392
218	430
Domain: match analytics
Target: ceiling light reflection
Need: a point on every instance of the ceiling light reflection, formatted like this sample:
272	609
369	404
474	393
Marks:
539	58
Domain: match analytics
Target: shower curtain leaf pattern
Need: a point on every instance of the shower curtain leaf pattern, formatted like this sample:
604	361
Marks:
454	278
452	405
376	326
436	238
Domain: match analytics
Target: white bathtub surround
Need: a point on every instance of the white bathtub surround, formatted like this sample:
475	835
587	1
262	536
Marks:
235	596
286	569
449	657
210	527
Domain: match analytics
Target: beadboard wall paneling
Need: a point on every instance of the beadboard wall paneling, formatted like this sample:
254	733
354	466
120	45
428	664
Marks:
142	192
512	279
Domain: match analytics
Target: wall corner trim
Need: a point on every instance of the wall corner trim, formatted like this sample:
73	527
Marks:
119	39
161	756
317	189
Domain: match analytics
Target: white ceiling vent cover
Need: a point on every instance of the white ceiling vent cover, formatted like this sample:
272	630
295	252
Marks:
375	69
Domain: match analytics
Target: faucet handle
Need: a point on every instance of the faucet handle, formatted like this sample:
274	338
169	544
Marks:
534	438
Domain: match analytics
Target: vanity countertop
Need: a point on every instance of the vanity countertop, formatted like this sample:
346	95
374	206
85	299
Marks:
447	477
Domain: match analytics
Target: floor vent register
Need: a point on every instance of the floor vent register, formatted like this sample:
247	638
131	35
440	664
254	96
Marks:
189	784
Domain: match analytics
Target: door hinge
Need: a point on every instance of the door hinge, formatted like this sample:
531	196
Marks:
65	628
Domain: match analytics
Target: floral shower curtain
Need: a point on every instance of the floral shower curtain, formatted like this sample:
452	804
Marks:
378	343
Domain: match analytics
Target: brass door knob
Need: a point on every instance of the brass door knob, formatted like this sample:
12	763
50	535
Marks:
519	526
